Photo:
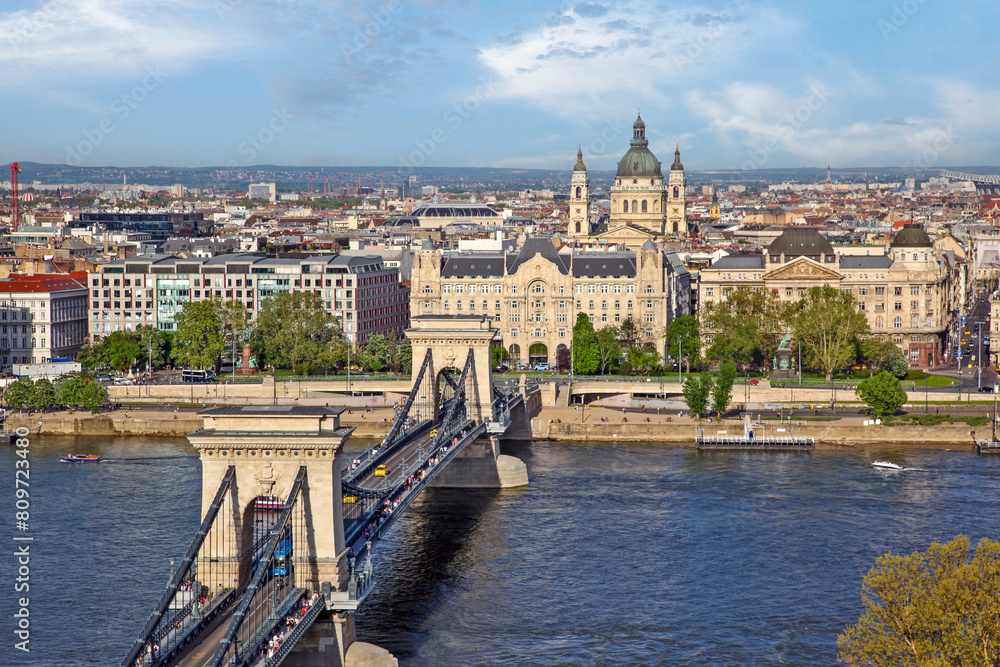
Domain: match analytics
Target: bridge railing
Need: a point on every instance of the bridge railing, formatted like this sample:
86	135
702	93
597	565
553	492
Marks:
190	601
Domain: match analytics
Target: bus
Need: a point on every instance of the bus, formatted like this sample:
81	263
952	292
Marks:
197	376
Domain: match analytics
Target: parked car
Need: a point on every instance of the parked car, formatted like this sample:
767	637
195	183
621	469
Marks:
986	390
501	369
541	367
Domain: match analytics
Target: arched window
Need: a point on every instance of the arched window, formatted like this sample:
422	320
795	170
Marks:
579	192
577	226
914	257
635	206
677	192
897	323
625	206
879	322
643	205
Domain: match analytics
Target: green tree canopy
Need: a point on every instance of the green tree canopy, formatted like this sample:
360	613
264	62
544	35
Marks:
295	328
683	330
630	335
883	393
71	388
643	359
121	350
722	391
744	325
43	394
826	323
696	390
585	357
19	393
609	350
939	607
93	395
152	340
198	339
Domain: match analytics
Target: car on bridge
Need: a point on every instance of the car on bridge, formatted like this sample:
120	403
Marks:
350	499
381	470
434	433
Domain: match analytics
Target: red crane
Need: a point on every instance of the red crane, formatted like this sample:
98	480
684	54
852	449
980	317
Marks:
15	212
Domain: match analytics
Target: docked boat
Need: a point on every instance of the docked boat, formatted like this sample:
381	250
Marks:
80	458
887	465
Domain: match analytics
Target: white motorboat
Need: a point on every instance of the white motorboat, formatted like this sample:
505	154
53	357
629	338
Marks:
888	465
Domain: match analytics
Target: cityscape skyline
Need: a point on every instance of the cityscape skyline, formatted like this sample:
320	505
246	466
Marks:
737	85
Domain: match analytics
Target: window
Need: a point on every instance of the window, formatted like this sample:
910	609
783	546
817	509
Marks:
579	289
649	289
897	323
497	306
897	306
562	333
591	304
486	305
446	289
604	304
618	289
630	289
618	304
604	289
709	291
862	291
591	289
914	356
649	317
915	290
446	305
914	321
897	291
604	317
862	306
914	305
879	291
538	288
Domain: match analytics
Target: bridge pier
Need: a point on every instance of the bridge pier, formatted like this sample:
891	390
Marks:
481	466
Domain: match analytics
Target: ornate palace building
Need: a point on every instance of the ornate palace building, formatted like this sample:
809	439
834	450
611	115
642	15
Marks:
534	293
643	205
910	292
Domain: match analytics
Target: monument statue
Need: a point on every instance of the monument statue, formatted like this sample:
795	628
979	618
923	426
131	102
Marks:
786	342
784	363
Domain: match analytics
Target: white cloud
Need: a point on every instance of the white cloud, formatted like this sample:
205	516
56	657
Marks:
63	40
584	62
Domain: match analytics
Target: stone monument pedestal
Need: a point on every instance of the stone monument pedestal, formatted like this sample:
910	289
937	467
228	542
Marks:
784	365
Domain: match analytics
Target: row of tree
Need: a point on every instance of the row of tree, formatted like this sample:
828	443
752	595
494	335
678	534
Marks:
826	323
74	389
293	330
698	389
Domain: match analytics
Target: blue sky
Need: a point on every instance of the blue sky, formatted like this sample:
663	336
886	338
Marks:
737	83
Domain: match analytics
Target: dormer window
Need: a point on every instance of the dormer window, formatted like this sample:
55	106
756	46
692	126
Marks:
635	180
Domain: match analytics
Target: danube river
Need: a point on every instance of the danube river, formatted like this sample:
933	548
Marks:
615	555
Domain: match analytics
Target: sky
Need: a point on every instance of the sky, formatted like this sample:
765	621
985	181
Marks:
737	84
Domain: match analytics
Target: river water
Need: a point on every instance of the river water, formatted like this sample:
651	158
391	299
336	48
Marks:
615	555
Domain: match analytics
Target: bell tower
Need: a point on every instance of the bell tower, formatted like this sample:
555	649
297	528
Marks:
579	200
676	208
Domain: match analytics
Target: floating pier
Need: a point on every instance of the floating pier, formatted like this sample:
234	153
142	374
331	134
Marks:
755	438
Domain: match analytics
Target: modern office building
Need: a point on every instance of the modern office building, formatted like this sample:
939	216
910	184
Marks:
365	294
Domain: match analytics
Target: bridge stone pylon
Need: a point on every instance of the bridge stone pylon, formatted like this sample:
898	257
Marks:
449	338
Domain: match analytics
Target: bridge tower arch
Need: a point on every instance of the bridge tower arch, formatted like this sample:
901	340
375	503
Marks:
449	339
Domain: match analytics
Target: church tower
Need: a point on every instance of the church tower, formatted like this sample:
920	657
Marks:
676	209
579	200
715	211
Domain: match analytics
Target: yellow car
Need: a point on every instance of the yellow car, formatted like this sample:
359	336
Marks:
434	433
350	499
381	471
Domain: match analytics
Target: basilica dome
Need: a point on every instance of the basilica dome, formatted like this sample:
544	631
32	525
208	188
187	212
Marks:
639	161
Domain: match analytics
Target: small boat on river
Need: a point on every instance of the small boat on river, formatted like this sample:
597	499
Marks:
887	465
80	458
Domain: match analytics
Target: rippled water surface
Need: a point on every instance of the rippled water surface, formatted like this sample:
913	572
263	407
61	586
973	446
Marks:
615	555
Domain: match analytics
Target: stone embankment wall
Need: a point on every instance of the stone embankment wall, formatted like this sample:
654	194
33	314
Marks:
840	434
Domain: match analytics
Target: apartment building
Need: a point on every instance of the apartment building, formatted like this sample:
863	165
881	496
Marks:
42	317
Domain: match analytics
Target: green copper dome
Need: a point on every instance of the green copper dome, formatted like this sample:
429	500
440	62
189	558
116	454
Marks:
639	161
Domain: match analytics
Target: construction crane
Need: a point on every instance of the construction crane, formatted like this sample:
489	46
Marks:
15	211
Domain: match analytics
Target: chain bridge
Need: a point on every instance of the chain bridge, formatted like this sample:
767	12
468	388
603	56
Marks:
284	553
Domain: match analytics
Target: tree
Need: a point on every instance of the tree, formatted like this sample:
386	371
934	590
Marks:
198	339
609	350
233	323
744	325
883	393
71	388
93	395
696	390
401	354
937	607
827	322
683	330
18	394
154	346
295	328
91	355
376	353
585	357
43	394
630	335
722	392
498	355
121	349
642	359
